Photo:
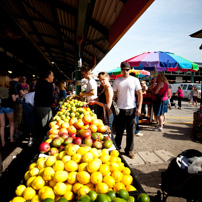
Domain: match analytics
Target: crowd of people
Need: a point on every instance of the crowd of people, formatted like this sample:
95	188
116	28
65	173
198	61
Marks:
35	102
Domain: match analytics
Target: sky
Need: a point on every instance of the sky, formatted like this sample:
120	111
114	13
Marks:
164	26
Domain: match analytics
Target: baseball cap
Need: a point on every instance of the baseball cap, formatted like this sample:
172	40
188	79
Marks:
125	64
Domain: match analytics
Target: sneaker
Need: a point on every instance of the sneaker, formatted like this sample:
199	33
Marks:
139	134
160	129
131	155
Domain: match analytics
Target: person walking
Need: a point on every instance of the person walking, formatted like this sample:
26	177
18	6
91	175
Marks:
105	100
7	98
91	89
191	96
180	96
43	101
126	86
160	105
195	96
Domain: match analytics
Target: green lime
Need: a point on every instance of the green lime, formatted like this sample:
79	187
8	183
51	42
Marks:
92	195
109	199
62	200
131	199
111	194
122	193
143	198
85	198
118	200
48	200
102	198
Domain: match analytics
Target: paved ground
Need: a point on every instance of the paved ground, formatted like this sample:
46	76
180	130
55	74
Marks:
153	151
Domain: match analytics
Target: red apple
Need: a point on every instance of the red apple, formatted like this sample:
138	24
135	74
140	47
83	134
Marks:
84	133
44	147
73	135
77	140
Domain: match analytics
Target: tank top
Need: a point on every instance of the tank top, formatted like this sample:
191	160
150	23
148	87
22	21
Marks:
24	87
163	91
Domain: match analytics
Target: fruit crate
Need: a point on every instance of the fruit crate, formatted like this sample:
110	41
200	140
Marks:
136	183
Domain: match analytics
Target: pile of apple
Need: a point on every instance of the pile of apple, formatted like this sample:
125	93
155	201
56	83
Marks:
75	125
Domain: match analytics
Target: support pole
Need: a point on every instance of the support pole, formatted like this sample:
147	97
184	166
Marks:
192	77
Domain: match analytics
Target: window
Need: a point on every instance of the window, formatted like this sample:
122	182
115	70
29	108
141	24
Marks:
189	87
184	87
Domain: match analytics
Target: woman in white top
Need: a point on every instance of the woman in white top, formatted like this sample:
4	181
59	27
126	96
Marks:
195	96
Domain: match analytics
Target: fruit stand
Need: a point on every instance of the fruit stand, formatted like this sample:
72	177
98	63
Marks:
78	161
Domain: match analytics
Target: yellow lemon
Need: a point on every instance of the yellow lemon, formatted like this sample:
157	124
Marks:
93	166
29	181
102	188
77	158
76	187
104	169
113	159
71	166
69	187
82	167
71	151
60	176
38	183
58	165
87	157
127	180
83	190
114	153
18	199
60	188
109	180
50	161
76	146
105	158
121	166
66	158
72	178
98	160
83	177
41	172
118	159
32	166
113	166
96	177
28	193
34	171
118	186
69	195
27	175
52	183
61	155
46	192
126	171
117	175
49	140
19	190
41	164
130	188
105	152
48	173
95	153
82	150
36	198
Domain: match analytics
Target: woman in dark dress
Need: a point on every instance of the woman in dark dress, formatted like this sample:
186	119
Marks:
105	99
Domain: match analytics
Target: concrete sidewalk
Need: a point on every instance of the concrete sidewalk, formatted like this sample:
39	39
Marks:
154	150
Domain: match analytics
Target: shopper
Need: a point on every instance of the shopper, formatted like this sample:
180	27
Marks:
33	85
91	90
180	96
62	88
126	87
191	96
7	98
105	99
42	105
24	84
195	96
160	105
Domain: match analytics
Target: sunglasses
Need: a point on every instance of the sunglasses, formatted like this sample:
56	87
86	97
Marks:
125	70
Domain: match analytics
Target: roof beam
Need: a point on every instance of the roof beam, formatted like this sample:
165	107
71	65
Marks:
123	22
104	31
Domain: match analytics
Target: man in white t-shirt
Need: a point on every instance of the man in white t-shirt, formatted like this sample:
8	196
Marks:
91	89
126	86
